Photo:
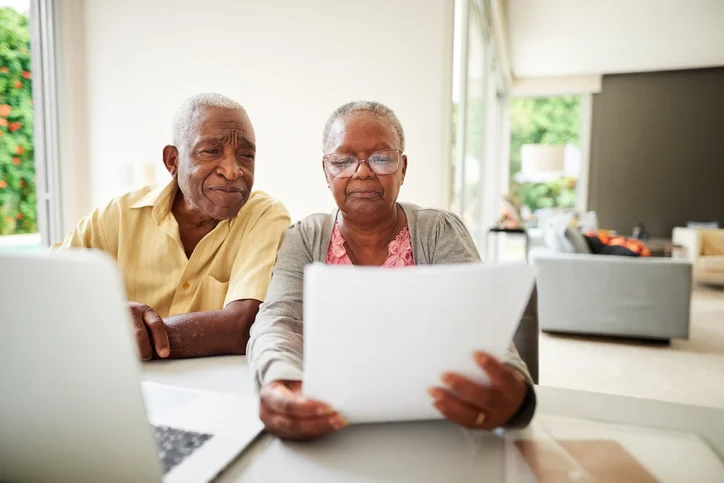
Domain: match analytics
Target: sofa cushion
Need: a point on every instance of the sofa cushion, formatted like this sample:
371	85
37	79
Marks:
710	264
577	240
712	242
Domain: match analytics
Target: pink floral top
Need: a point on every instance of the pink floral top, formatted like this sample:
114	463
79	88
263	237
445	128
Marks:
399	250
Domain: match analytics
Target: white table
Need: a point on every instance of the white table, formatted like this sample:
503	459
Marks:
231	375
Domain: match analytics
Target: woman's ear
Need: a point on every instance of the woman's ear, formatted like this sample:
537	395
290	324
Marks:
404	169
326	178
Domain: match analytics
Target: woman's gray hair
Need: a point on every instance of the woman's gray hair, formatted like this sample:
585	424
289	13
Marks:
362	106
184	118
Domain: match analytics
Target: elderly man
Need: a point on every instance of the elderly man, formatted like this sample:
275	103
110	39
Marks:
196	254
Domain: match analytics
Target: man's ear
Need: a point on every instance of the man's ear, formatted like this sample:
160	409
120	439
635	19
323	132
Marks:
170	159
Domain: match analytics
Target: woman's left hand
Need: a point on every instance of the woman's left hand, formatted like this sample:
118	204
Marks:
474	406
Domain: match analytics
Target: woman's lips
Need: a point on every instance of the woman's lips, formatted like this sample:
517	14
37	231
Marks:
365	194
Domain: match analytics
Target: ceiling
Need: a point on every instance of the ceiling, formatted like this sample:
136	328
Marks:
561	38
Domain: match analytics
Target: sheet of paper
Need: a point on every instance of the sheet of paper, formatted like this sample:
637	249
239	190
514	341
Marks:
375	339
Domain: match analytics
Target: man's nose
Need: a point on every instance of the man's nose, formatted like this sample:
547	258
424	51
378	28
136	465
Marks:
229	168
364	171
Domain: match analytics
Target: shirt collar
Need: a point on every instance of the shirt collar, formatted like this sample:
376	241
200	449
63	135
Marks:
160	198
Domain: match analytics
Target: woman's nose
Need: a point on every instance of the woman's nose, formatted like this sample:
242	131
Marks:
364	171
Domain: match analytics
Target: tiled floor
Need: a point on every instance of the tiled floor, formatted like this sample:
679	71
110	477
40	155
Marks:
687	371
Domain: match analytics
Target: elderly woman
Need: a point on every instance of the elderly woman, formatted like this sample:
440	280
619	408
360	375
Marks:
365	166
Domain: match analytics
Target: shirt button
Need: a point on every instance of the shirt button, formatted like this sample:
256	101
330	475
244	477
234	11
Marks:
186	285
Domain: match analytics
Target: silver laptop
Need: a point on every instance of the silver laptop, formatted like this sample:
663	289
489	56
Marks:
71	402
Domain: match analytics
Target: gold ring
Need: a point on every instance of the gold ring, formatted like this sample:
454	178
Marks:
480	419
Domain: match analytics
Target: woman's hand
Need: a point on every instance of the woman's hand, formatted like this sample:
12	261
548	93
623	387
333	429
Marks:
474	406
289	415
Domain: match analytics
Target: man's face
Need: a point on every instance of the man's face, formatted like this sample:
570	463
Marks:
215	163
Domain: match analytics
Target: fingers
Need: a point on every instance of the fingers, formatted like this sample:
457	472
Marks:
143	342
464	400
286	427
474	394
281	399
157	329
458	411
498	372
289	415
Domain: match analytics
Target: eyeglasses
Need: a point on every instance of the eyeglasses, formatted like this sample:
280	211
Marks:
383	162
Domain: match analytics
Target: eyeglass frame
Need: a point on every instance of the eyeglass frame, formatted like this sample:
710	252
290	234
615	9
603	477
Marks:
399	152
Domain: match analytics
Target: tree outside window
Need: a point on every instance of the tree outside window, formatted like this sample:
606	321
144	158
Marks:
545	120
17	168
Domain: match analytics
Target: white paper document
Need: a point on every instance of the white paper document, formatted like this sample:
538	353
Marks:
375	339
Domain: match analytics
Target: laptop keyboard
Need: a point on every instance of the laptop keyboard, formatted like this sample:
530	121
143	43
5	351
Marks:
175	445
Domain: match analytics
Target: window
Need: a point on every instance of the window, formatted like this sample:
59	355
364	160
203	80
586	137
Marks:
29	184
469	114
545	154
18	207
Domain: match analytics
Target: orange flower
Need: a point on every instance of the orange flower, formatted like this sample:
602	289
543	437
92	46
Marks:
4	70
14	126
19	216
18	85
5	110
16	161
26	74
3	121
9	219
3	184
19	150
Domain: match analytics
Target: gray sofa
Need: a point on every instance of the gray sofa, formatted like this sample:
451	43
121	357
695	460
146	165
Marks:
613	295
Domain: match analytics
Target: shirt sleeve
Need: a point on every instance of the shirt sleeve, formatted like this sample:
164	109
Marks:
275	347
251	271
92	231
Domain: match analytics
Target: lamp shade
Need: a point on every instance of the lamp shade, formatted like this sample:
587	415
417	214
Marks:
542	158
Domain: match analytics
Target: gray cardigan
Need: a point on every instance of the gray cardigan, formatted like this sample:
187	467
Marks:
275	348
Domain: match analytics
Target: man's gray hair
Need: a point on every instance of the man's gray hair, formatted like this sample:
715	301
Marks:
184	118
362	106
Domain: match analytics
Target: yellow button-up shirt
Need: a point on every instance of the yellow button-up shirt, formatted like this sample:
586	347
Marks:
232	262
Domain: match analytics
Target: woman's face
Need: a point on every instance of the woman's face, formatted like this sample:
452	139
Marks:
365	195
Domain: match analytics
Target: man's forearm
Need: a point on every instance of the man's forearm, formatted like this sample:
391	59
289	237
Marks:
217	332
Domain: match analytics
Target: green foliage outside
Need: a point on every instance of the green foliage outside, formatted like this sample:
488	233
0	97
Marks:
547	120
17	169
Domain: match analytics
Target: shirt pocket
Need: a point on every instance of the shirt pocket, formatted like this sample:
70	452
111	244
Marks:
212	294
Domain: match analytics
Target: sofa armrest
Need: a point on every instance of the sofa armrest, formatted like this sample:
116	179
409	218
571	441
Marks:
690	239
614	295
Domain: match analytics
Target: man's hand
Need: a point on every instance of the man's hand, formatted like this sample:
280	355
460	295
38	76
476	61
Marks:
289	415
150	332
481	407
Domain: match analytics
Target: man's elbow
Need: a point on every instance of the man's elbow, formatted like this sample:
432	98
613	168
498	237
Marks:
242	314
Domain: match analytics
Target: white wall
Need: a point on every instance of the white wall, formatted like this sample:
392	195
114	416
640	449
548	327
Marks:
552	38
289	62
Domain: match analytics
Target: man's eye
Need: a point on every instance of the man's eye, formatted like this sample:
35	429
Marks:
210	151
342	162
380	160
248	155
